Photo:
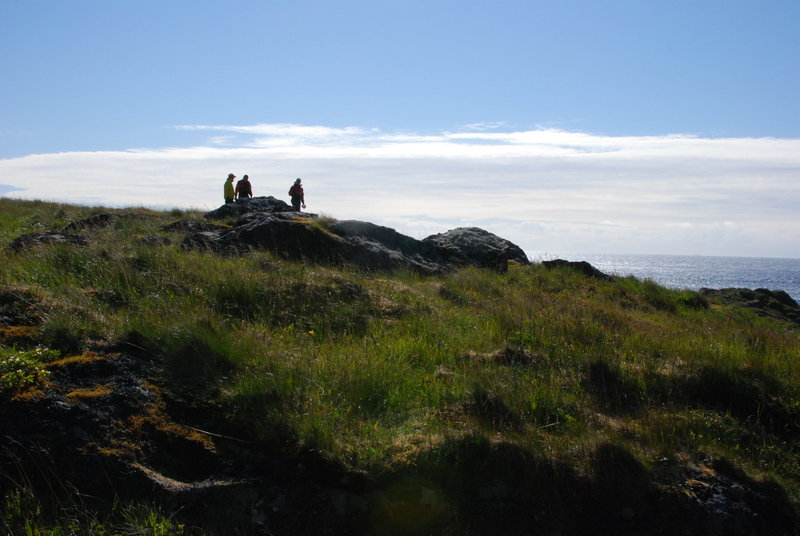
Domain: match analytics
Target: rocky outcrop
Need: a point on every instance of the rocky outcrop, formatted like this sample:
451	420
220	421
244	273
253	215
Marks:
730	502
104	219
280	233
474	246
763	302
580	266
69	236
33	239
382	248
256	204
192	226
299	235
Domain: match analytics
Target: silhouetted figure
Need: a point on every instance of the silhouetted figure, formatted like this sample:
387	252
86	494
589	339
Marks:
297	195
244	191
229	192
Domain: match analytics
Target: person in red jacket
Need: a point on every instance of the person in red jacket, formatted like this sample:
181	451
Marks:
297	195
244	191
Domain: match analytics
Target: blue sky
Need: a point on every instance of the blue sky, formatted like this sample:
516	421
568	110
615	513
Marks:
605	126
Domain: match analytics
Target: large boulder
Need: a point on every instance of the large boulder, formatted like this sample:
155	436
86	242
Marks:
267	204
579	266
763	302
376	247
383	235
285	236
477	247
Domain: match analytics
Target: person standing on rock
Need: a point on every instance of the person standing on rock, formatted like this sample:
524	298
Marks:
244	191
297	195
229	192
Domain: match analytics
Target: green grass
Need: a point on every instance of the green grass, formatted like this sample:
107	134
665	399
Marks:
24	515
400	372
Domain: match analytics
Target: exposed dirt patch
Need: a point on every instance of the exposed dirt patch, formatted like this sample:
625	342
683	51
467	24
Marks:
505	356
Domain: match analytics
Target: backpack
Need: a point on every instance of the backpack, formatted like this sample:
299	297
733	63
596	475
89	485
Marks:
244	188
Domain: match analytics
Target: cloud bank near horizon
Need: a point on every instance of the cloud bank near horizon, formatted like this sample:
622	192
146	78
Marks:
547	190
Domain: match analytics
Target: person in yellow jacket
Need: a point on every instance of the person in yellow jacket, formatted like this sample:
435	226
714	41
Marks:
229	193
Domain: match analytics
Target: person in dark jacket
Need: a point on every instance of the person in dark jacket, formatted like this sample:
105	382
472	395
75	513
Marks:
297	195
244	191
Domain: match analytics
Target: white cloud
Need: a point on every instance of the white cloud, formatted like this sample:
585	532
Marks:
545	189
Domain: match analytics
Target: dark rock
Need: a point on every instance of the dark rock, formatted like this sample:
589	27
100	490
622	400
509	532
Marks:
735	504
272	232
580	266
386	236
191	226
298	217
102	220
33	239
775	304
376	247
290	235
476	247
256	204
208	240
98	220
270	224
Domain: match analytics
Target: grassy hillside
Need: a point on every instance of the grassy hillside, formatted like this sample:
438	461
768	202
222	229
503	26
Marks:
473	403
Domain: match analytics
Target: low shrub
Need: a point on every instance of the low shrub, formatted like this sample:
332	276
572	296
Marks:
23	369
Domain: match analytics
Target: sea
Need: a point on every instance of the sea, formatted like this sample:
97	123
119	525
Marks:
694	272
